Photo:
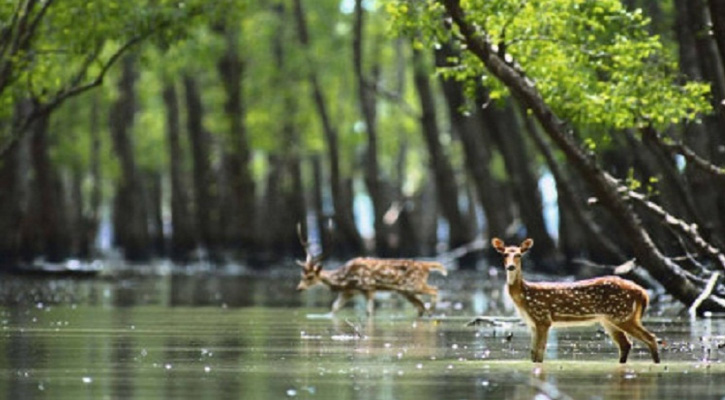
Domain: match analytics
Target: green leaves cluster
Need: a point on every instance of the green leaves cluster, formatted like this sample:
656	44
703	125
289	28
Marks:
53	46
594	63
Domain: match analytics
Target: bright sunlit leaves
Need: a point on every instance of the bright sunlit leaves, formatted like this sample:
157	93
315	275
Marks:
594	63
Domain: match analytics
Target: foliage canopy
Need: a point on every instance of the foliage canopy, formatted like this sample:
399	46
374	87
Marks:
595	63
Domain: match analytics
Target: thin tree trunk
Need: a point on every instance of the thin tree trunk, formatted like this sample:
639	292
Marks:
294	197
343	216
205	201
672	277
238	220
93	220
183	239
80	246
407	237
366	100
12	199
156	222
274	206
706	46
717	13
130	217
570	208
318	201
460	232
506	130
477	152
54	237
701	138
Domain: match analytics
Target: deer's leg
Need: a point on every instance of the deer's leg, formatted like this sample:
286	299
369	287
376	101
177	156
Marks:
539	335
370	295
636	329
433	292
416	302
620	339
342	298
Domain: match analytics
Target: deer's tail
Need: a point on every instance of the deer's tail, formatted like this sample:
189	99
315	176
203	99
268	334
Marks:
436	266
643	303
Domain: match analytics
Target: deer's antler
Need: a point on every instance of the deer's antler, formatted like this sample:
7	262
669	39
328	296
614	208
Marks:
310	259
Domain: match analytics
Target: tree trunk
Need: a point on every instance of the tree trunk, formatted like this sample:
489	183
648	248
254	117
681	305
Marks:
154	206
49	202
130	217
460	232
669	274
706	46
80	244
579	229
293	196
343	214
506	130
93	221
717	13
13	168
205	201
701	138
424	221
477	151
282	208
239	208
366	100
318	202
183	239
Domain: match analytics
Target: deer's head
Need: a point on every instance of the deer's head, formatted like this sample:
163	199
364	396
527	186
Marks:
512	257
311	267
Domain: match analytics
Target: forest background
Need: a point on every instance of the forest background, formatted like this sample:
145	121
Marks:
210	130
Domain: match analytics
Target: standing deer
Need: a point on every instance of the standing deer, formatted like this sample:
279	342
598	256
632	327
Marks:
615	303
368	275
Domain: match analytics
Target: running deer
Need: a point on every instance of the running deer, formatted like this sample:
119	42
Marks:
368	275
615	303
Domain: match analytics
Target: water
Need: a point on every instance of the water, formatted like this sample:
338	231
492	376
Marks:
202	335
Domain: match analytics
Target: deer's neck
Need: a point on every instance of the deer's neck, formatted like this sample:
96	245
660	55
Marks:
331	279
516	289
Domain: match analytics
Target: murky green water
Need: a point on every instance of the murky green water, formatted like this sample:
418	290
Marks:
214	337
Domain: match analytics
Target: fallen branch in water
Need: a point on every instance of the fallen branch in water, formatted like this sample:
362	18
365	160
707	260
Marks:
704	295
688	231
458	252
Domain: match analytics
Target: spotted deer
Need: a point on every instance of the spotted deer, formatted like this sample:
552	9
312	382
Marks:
369	275
615	303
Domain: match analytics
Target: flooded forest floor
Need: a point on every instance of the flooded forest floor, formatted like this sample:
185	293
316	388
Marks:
214	335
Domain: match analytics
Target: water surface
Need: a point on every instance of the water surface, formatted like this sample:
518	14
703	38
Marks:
216	336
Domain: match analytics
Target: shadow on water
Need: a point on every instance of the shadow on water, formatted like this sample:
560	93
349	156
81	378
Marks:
207	335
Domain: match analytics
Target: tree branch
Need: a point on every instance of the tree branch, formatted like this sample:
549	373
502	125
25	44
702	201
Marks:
688	231
678	148
36	21
74	89
705	294
389	95
694	159
6	36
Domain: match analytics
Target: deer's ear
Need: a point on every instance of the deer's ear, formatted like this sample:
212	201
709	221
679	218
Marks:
317	268
301	263
498	245
526	245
